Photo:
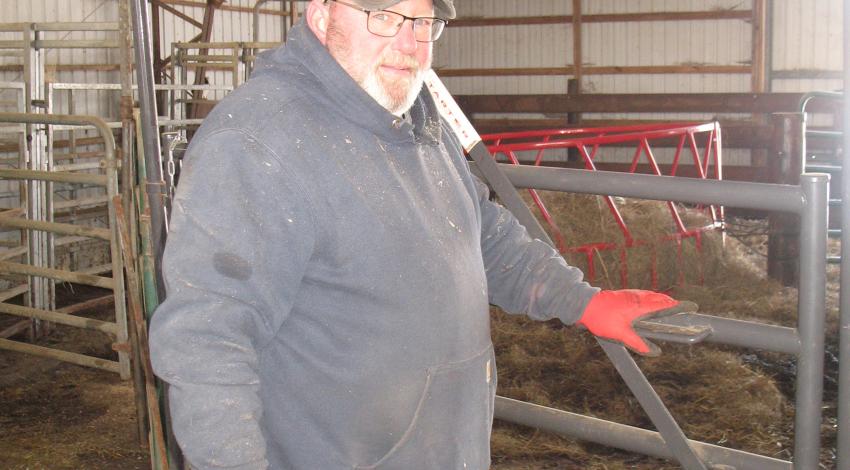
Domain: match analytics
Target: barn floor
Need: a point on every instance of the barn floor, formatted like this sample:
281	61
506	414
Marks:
61	416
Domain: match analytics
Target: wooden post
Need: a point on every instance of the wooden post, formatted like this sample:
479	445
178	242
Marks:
785	165
759	24
577	54
574	118
206	33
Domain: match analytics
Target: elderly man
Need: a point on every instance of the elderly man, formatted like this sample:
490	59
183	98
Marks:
332	260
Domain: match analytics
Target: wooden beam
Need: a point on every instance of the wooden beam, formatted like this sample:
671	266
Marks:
67	68
664	69
605	18
598	70
759	41
577	52
177	13
203	4
808	74
57	144
640	103
505	72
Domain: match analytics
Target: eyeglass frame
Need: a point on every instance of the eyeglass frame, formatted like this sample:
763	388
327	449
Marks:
404	18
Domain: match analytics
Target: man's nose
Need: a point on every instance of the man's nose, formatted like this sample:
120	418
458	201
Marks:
405	40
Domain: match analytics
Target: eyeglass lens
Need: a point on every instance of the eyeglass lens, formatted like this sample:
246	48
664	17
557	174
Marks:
388	24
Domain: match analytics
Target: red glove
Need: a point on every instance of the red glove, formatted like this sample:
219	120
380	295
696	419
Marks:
611	313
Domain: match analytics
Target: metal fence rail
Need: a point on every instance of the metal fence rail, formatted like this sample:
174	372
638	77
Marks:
805	342
44	272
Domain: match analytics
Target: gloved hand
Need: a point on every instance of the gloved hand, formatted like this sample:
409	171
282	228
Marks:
611	314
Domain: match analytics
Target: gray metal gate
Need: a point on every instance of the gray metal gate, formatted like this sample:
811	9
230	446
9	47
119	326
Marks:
809	200
40	228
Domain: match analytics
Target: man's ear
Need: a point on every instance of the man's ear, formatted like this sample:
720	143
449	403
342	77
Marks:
317	17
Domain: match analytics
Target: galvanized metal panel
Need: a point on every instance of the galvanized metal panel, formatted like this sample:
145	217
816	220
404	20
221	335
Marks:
807	37
507	46
720	42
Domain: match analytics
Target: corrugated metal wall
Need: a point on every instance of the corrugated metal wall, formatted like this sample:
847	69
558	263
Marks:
506	46
806	36
716	42
806	41
229	26
97	103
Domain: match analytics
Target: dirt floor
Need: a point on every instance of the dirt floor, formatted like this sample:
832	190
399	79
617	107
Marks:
60	416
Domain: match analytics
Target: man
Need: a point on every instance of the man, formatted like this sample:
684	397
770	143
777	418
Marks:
331	263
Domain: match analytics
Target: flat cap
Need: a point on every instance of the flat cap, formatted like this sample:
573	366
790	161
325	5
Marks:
442	8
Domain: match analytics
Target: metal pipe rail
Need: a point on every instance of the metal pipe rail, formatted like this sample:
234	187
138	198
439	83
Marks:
118	328
844	301
806	341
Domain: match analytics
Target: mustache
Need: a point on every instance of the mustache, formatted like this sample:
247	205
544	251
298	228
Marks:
399	60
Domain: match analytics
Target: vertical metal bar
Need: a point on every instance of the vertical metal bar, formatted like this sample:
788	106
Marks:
717	147
37	190
115	246
72	109
652	405
256	20
126	103
234	57
150	134
127	191
844	299
50	237
811	320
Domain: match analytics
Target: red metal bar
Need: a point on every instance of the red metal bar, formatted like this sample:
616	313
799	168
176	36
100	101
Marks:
707	156
615	211
608	136
675	166
680	226
641	135
559	237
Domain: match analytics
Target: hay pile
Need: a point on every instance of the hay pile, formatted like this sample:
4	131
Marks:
714	396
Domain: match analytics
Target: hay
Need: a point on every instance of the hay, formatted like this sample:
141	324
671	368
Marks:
712	393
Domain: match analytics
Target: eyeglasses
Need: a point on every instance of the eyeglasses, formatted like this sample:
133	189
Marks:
387	23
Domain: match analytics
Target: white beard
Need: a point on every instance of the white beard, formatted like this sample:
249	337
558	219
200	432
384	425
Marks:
375	88
396	96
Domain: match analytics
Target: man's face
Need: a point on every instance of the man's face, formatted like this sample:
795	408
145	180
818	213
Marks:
389	69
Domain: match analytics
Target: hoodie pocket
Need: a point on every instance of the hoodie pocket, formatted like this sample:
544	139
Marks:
451	426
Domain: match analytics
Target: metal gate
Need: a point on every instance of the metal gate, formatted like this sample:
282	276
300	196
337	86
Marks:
809	200
40	229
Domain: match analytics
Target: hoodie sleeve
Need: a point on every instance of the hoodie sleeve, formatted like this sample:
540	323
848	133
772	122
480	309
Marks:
526	275
240	238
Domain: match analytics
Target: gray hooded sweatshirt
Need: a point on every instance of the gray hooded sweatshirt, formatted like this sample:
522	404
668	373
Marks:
328	271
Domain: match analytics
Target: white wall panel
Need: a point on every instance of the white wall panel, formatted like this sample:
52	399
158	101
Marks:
73	11
807	37
717	42
507	47
656	43
228	26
